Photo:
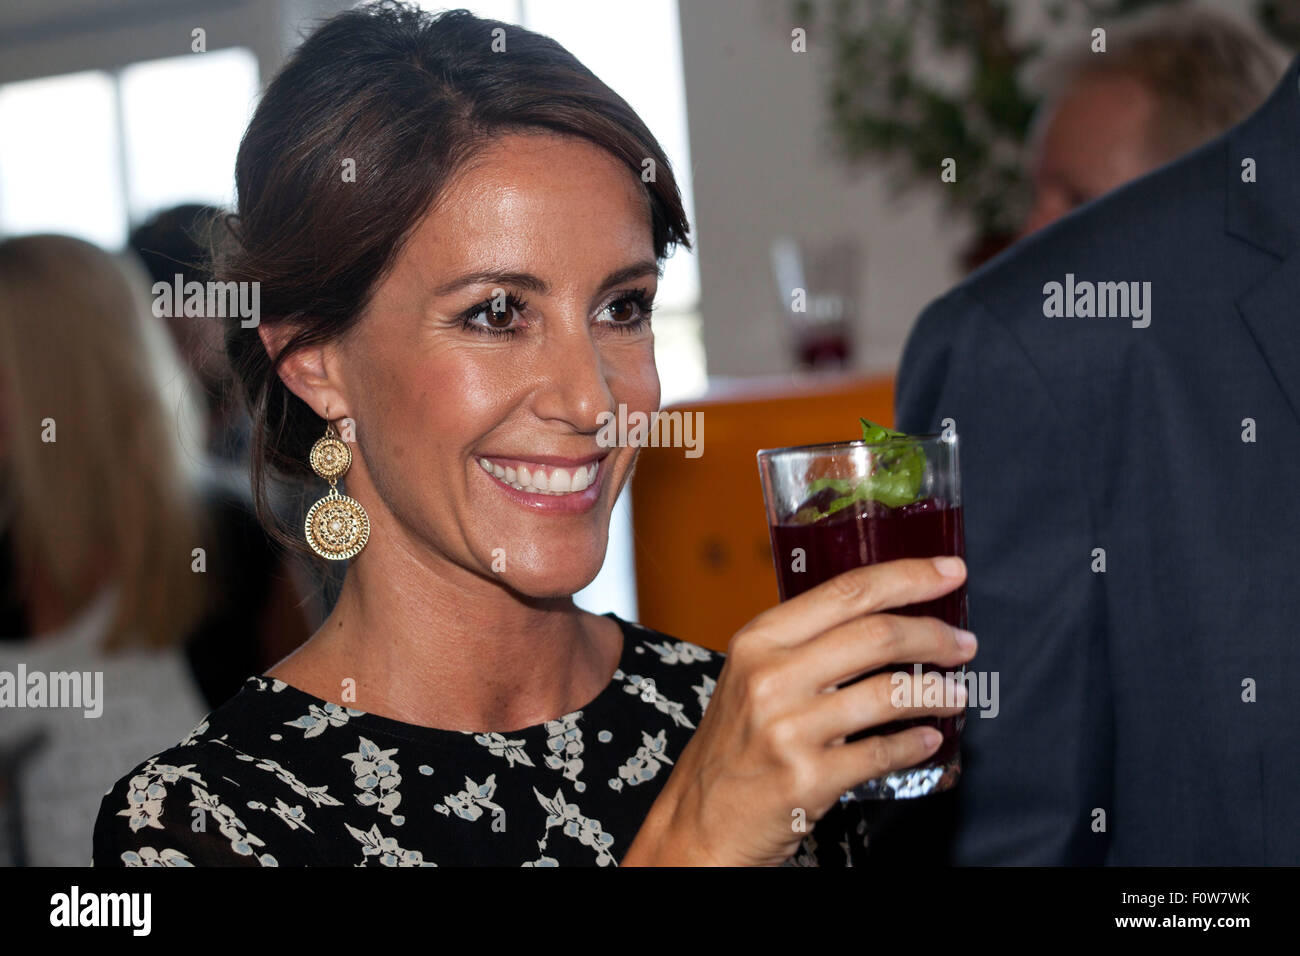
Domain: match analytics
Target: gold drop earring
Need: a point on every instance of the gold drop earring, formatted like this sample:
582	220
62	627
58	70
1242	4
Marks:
337	526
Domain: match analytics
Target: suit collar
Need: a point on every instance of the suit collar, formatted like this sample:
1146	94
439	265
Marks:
1266	212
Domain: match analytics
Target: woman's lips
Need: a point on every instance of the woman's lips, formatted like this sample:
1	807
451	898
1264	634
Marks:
547	487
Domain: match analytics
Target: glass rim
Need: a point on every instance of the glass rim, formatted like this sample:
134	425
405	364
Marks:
858	443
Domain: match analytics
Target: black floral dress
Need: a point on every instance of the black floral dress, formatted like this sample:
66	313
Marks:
278	777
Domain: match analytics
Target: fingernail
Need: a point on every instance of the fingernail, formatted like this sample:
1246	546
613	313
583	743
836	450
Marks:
965	639
949	567
931	737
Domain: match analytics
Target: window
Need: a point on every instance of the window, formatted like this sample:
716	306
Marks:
102	151
64	173
182	121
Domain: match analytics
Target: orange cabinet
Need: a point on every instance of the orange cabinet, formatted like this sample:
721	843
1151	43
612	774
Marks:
703	556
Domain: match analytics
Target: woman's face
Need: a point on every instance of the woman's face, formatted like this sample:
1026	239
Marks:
513	318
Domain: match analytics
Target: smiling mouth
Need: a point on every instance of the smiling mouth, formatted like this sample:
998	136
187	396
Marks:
537	478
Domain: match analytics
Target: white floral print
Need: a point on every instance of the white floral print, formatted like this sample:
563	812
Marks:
645	763
470	803
564	741
229	825
646	689
146	791
573	823
335	792
499	746
318	718
377	777
675	652
148	856
385	850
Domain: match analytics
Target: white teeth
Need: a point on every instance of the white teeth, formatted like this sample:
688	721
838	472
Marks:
560	481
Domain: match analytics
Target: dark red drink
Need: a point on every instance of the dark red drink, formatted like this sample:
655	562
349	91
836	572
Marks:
868	532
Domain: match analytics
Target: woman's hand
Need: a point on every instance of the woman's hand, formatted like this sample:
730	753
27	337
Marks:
771	742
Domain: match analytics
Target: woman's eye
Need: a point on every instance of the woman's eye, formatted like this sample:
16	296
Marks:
624	310
488	317
631	311
496	319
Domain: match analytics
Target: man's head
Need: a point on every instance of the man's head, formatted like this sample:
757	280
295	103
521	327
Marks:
1168	82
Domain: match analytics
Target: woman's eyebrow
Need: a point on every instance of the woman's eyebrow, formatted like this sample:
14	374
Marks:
531	283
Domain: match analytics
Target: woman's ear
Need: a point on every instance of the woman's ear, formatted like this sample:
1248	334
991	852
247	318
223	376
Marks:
306	372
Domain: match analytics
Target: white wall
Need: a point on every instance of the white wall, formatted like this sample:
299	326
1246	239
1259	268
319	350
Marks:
762	169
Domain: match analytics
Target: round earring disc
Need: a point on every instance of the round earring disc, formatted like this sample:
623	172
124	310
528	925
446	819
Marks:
337	527
330	457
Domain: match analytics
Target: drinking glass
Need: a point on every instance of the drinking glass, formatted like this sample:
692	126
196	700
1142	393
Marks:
843	505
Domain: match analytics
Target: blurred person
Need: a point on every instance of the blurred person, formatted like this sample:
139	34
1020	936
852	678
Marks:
1169	80
173	242
1126	387
99	520
446	334
97	566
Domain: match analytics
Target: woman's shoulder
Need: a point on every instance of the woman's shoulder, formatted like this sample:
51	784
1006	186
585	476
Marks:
181	806
670	651
665	652
655	665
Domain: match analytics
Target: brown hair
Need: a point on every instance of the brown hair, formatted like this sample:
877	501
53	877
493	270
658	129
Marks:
409	97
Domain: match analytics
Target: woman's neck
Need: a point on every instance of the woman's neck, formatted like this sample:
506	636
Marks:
417	638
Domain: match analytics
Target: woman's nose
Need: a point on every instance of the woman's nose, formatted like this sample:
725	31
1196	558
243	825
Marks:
575	384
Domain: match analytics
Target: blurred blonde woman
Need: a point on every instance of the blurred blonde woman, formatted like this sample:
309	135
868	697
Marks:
99	517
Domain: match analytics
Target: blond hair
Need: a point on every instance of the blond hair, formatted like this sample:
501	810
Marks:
1206	71
81	357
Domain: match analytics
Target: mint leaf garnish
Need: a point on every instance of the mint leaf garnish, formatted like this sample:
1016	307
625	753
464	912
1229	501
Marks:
842	485
871	432
895	478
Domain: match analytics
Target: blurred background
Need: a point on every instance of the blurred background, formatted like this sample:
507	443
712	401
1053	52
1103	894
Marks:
843	164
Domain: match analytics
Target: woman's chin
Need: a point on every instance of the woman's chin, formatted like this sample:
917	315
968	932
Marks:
546	586
551	579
